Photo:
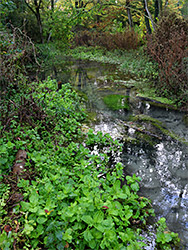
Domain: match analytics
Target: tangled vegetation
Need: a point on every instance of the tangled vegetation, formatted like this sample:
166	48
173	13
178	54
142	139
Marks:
67	195
168	46
66	192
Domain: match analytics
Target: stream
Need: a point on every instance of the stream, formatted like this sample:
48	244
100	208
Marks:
163	165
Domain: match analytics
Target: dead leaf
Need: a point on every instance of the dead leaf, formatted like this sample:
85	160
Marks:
7	228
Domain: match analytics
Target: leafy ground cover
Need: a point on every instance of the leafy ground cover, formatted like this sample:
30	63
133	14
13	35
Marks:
70	194
133	62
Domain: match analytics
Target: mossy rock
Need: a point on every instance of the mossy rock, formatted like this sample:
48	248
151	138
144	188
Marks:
154	100
185	120
116	102
148	127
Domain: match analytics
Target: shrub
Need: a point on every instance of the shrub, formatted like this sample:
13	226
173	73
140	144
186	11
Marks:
168	46
17	51
119	40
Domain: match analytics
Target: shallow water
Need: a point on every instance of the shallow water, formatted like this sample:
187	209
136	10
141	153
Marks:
162	167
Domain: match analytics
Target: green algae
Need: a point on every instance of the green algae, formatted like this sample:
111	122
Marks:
116	102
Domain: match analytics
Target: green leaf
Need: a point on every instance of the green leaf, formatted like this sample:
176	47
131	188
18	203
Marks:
98	217
67	235
25	206
110	235
135	187
96	234
28	229
87	219
99	227
41	220
108	223
87	235
117	185
50	238
48	186
92	244
34	198
124	237
10	144
59	234
122	195
3	160
40	229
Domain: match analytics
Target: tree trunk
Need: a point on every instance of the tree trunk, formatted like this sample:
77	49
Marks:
158	9
36	12
38	16
52	5
129	13
148	17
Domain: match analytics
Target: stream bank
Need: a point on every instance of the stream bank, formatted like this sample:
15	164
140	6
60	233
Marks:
154	135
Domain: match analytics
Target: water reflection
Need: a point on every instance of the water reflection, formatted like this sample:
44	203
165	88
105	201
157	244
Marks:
163	167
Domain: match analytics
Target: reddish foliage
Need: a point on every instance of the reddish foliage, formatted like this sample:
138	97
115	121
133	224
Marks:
120	40
7	228
105	207
168	46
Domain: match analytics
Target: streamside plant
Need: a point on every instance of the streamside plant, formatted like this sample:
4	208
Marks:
72	195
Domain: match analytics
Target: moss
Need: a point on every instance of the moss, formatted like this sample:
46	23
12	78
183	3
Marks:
185	120
144	118
158	125
92	116
116	102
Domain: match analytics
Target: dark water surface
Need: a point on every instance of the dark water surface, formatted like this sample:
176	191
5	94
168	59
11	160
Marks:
163	167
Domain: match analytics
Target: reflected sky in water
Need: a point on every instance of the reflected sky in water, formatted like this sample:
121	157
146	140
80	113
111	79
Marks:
162	167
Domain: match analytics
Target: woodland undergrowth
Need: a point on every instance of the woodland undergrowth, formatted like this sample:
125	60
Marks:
70	193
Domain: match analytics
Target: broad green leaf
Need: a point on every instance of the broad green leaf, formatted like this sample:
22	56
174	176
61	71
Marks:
122	195
124	237
50	238
41	220
34	198
67	235
3	160
59	234
25	206
99	227
108	223
98	217
87	219
48	187
96	234
117	185
87	235
92	244
40	229
110	235
28	229
135	187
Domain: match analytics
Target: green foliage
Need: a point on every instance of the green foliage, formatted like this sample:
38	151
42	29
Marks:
6	7
133	62
4	194
77	198
6	240
81	213
165	239
5	155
